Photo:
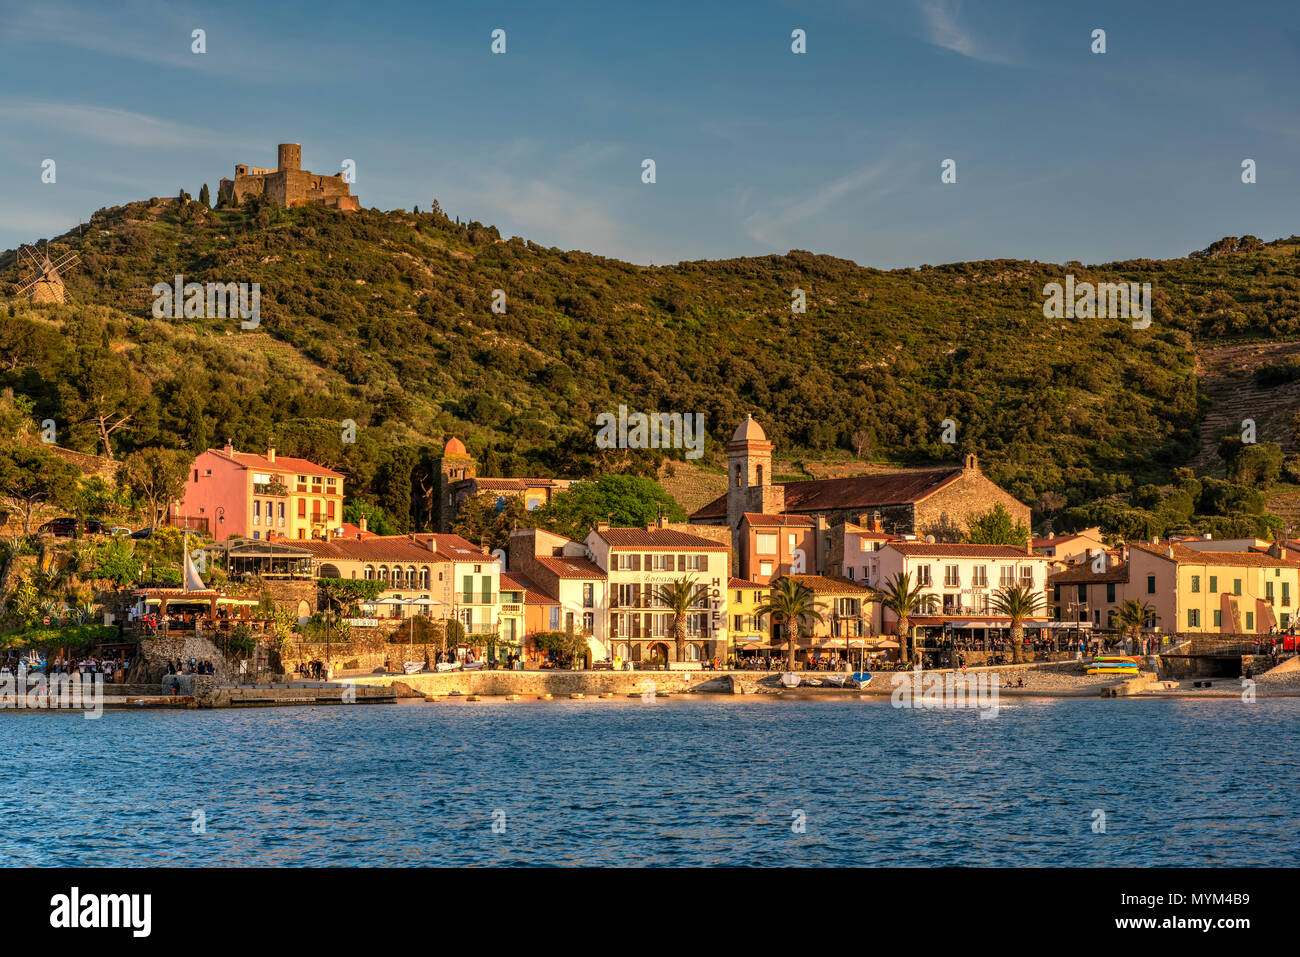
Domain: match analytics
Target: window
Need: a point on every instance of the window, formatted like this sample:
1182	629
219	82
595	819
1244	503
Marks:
1268	591
1286	595
1007	576
1027	576
1193	618
765	569
588	595
1218	616
1214	584
980	576
302	508
1236	586
1151	584
588	621
1250	621
555	619
736	623
951	576
1110	591
923	575
468	589
1196	583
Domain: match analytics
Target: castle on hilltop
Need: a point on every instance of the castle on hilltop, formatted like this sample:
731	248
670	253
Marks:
288	184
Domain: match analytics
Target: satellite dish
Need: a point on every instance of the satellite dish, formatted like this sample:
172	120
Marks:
929	539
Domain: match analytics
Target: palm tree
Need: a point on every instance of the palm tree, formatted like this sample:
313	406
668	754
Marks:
1017	602
680	597
1132	616
904	599
794	604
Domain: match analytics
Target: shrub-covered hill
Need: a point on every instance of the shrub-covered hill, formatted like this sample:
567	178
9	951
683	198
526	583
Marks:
386	318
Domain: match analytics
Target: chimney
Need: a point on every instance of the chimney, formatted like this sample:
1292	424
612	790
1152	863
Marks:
229	449
602	526
270	454
972	463
361	523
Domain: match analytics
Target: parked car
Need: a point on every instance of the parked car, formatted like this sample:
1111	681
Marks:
65	526
142	533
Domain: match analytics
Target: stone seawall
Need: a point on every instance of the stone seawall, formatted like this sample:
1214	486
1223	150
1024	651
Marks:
550	682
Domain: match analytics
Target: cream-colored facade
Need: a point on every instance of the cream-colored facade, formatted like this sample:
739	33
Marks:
637	562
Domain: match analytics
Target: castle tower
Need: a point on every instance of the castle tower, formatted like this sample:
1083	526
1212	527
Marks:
749	474
290	156
455	466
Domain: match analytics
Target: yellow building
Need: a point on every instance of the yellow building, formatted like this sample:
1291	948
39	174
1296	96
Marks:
1190	590
749	630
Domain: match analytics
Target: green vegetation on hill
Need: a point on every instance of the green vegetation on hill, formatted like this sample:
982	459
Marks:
385	319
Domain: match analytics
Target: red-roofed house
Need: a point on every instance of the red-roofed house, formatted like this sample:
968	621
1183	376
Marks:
229	493
907	502
637	562
960	582
561	569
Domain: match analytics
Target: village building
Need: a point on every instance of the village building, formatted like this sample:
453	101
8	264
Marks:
1069	549
749	633
637	563
1228	592
922	502
1087	595
960	582
769	546
288	184
560	569
853	551
459	481
434	575
845	607
267	497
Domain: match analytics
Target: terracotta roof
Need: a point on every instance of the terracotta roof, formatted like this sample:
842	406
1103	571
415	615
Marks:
1082	574
962	550
1182	555
830	584
517	484
569	567
758	518
513	582
743	583
397	548
354	531
653	538
860	491
1058	539
282	463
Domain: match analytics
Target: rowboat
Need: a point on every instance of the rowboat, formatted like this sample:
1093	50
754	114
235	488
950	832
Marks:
790	679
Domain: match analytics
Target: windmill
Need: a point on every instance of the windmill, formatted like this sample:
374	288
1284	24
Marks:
44	283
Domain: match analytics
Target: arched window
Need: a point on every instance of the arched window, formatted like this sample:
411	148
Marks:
758	471
370	573
383	573
693	652
410	576
424	576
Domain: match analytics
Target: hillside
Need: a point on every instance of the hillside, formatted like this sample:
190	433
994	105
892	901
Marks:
385	318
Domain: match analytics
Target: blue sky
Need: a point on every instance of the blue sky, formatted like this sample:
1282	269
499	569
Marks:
1061	153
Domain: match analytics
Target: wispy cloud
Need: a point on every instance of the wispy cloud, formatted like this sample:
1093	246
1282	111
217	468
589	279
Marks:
942	29
109	125
772	226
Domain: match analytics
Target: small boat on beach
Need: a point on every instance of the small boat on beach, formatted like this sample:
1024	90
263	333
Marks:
861	678
412	667
790	679
447	666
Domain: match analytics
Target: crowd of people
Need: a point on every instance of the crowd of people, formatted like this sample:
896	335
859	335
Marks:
111	669
191	667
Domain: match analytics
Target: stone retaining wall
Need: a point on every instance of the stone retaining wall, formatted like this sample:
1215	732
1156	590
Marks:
549	682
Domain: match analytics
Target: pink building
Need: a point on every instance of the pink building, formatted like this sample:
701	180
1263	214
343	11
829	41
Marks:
229	493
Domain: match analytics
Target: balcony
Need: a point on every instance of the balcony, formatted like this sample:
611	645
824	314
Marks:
271	488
